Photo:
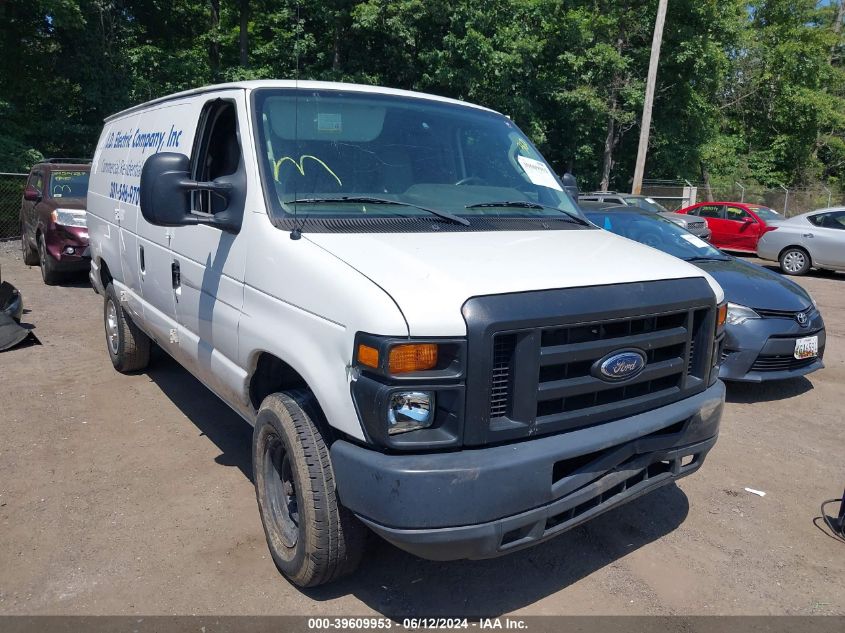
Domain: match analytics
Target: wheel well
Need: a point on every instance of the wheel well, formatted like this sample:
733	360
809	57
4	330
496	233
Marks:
105	274
271	375
796	247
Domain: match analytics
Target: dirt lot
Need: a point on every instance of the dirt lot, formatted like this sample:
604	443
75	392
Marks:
132	494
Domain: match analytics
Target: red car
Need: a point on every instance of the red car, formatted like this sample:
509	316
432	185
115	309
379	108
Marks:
736	226
53	222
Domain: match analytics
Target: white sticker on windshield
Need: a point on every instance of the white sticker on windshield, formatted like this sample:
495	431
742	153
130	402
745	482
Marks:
538	173
329	122
695	241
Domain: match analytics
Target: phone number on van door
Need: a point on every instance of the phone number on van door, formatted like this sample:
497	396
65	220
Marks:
124	193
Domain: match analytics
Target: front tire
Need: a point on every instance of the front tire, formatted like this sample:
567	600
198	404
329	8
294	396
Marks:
49	272
128	346
795	261
312	538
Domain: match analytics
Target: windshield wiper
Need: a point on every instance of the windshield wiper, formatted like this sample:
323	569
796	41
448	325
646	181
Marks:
369	200
525	204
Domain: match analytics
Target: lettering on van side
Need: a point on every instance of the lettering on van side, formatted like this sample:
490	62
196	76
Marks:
143	140
124	193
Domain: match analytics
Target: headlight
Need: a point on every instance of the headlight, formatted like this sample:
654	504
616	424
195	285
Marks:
69	217
737	314
409	393
409	411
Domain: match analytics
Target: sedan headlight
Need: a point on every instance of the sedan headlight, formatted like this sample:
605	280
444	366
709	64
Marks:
69	217
737	314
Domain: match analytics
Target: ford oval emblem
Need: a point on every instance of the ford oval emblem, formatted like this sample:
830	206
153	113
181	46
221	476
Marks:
619	366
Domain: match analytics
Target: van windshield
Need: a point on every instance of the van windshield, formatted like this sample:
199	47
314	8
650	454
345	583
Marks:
68	184
331	154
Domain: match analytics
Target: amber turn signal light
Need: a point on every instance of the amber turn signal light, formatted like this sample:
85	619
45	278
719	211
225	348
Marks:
412	357
721	317
368	356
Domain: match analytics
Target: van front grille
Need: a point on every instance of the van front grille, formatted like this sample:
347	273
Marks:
541	373
569	388
503	347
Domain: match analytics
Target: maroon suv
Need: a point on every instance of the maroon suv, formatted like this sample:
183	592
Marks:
54	233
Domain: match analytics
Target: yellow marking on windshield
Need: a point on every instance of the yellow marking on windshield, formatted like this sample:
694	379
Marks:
300	166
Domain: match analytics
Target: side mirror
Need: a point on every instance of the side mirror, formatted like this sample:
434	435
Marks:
749	220
165	194
31	194
570	185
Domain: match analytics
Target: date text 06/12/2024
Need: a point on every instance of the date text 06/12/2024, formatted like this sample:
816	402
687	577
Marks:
343	624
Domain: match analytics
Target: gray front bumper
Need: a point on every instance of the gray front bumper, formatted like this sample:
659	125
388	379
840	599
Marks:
484	502
768	338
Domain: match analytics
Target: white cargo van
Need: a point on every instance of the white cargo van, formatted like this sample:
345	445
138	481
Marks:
395	290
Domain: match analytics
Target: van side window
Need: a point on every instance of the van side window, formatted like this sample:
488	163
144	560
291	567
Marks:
218	152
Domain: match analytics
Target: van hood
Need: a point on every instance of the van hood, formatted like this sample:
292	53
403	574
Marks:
431	275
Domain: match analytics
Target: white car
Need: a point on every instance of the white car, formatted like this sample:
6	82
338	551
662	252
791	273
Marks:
811	240
393	288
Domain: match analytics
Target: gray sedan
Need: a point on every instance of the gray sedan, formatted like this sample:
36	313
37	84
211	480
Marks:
812	240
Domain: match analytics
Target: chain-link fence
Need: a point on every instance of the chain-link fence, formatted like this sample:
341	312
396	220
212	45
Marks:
11	192
789	201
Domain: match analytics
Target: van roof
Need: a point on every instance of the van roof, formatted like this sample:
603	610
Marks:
290	83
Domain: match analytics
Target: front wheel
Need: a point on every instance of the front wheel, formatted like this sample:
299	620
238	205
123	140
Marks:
312	538
49	272
129	347
795	261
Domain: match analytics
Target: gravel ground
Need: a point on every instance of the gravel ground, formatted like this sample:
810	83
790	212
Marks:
132	495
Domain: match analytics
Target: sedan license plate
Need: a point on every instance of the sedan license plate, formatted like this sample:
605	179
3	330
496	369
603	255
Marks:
807	347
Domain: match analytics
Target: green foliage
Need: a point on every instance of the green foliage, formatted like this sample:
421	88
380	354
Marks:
747	90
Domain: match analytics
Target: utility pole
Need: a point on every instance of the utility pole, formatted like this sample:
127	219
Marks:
645	126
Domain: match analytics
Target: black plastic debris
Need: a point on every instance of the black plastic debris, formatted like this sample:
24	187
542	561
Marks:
11	303
11	334
11	310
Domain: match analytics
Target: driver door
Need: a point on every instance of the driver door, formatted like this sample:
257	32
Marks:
29	219
742	229
208	284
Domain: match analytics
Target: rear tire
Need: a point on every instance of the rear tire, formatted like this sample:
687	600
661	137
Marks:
312	538
795	261
128	346
49	272
30	257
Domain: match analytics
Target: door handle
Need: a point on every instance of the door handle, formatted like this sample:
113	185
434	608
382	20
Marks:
807	235
176	275
141	261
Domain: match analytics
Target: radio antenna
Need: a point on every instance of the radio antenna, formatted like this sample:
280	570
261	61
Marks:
296	233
